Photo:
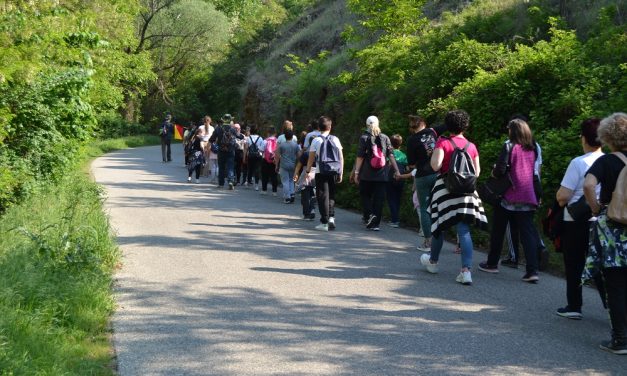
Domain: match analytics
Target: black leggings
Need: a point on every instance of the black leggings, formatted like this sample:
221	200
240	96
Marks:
253	170
616	287
198	169
268	174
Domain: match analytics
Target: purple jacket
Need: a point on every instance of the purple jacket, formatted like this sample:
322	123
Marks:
521	172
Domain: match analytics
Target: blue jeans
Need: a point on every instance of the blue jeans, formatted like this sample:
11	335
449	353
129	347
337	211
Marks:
226	164
463	232
424	186
394	195
287	179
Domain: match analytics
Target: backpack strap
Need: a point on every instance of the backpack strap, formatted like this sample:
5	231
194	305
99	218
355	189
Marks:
621	156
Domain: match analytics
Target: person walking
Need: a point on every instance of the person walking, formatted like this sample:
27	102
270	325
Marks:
608	245
286	157
420	147
254	155
519	202
197	160
226	137
287	126
326	151
167	133
208	132
454	209
577	226
372	172
240	141
395	186
268	168
243	179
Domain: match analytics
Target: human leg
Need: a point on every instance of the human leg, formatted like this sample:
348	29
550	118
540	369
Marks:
378	200
616	287
230	167
394	193
168	144
424	186
163	149
365	193
322	193
465	241
265	175
221	169
500	218
574	249
524	221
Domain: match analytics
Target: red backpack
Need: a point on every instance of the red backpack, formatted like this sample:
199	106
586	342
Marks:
270	150
377	158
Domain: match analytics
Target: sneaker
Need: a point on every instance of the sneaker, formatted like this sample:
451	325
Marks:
197	181
312	216
332	223
394	224
292	199
569	313
374	228
274	194
484	267
286	201
426	261
263	193
510	263
371	220
531	278
257	187
322	227
189	179
231	186
421	233
615	347
464	278
426	247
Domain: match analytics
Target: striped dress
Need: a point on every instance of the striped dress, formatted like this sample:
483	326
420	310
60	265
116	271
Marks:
448	209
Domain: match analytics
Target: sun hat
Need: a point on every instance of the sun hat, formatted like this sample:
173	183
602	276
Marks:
227	118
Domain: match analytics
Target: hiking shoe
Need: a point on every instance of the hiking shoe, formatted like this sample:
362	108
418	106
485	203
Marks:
332	223
531	278
569	313
484	267
394	224
464	278
371	220
426	261
189	179
510	263
322	227
615	347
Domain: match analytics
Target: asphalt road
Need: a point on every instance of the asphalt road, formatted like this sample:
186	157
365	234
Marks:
216	282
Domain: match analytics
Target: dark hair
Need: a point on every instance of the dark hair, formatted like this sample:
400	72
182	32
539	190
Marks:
271	131
415	121
520	133
519	117
589	131
254	129
396	140
289	134
323	123
314	125
457	121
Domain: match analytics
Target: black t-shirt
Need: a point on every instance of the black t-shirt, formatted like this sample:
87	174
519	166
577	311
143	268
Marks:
420	146
606	169
367	173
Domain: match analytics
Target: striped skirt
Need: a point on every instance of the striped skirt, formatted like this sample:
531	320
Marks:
448	209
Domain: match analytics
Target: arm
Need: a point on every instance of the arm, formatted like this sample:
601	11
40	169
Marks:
393	161
339	179
358	162
436	159
277	160
299	166
564	195
310	161
477	166
589	190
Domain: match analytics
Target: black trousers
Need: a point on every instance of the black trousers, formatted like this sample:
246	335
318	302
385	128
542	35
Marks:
253	166
308	200
197	169
239	160
268	175
166	149
325	192
372	199
616	287
574	250
522	222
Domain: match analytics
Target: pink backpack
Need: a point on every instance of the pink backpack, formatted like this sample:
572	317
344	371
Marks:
377	159
268	153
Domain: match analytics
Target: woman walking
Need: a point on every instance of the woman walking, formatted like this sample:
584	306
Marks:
519	202
286	157
453	209
253	151
197	159
372	172
576	228
608	246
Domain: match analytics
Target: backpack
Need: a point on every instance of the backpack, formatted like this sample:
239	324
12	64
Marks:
377	158
227	139
253	150
461	177
214	148
270	150
617	209
329	162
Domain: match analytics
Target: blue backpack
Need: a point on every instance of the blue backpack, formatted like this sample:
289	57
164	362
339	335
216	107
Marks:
329	162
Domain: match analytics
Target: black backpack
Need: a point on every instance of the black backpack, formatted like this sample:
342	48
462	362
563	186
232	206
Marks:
461	177
227	139
253	150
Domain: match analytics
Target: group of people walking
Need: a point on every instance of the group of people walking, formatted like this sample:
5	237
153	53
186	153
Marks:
590	215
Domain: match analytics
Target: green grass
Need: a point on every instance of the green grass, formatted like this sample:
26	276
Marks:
57	256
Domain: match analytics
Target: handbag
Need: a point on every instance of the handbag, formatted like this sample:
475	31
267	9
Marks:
493	189
580	210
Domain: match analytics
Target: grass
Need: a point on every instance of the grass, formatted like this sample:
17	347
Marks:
57	256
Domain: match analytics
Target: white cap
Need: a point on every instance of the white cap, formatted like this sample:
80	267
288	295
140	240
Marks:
372	120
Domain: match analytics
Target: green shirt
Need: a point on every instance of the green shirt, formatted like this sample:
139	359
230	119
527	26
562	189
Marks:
400	157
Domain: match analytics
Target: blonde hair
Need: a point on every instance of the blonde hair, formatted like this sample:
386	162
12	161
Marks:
373	125
613	131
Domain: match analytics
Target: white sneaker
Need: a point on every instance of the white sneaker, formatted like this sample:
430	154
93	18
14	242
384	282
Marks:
257	187
424	249
464	278
189	179
197	181
426	261
332	223
263	193
322	227
274	194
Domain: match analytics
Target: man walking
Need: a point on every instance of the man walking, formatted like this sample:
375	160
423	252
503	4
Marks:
326	151
166	132
226	138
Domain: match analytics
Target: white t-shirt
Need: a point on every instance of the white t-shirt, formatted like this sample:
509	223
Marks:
208	132
575	176
281	139
255	139
316	144
310	136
